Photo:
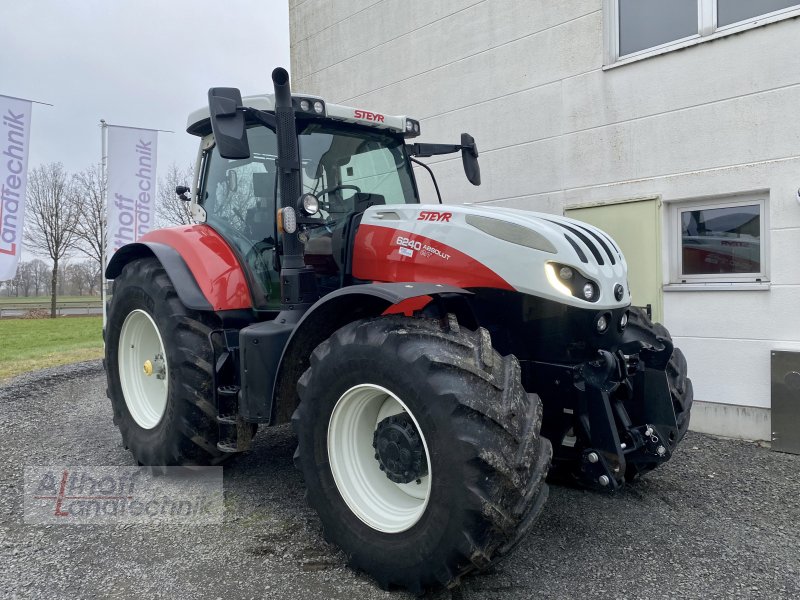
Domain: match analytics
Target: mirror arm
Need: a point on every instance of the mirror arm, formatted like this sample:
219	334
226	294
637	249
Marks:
262	118
424	150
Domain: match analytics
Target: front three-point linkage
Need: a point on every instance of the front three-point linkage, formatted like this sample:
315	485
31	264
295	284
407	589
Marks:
625	410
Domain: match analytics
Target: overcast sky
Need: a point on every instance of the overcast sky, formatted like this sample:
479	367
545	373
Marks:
142	63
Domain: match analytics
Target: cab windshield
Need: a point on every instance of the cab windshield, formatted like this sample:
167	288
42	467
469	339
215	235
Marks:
340	162
347	167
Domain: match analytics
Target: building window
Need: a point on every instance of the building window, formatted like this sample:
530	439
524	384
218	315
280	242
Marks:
639	28
721	241
736	11
646	24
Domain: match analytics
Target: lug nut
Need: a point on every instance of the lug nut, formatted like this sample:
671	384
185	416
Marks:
592	457
603	480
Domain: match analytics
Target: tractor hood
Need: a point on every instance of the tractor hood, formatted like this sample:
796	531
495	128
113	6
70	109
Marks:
471	246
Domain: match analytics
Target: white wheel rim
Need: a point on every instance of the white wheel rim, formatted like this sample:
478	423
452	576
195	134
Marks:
375	499
145	394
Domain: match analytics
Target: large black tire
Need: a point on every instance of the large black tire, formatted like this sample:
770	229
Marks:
187	433
488	462
680	386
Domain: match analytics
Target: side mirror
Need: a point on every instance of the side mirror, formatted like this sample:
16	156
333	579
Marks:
227	122
181	191
231	180
469	156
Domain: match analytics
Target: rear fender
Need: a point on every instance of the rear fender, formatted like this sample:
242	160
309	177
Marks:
204	270
334	311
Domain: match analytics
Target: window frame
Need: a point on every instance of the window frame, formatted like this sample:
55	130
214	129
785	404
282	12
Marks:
677	279
707	30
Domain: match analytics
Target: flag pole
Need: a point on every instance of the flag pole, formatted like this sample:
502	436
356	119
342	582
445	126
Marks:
103	227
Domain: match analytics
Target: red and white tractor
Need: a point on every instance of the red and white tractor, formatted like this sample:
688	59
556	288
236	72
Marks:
433	359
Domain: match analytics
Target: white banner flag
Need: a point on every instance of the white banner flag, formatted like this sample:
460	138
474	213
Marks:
15	127
131	185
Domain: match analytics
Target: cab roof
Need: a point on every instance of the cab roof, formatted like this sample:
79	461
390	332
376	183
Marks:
198	122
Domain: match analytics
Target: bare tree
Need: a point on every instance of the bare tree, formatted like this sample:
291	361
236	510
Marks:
171	210
96	279
13	284
72	279
81	277
89	192
39	274
25	278
54	216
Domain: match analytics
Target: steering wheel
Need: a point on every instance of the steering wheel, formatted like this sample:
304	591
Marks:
327	223
343	186
334	188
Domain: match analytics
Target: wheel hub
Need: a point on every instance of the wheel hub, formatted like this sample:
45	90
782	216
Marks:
158	366
399	449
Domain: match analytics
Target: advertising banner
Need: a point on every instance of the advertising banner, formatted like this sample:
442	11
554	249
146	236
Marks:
15	127
131	185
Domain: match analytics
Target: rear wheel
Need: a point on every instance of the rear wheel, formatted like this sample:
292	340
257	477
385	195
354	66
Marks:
420	449
159	366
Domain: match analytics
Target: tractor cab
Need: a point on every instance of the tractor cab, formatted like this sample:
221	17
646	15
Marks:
346	166
349	159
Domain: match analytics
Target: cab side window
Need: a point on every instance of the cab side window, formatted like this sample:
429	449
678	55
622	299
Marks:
240	199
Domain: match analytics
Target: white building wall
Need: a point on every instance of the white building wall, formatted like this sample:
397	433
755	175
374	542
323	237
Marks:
554	128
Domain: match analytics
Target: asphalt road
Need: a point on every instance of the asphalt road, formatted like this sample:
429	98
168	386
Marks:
721	520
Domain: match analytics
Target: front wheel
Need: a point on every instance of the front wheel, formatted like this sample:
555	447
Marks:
159	366
420	449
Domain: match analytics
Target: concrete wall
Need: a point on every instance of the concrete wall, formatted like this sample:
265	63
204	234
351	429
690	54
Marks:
554	128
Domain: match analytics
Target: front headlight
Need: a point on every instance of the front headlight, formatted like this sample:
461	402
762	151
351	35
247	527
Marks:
550	270
571	282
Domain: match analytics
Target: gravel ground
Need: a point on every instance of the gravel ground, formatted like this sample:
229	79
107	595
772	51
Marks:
721	520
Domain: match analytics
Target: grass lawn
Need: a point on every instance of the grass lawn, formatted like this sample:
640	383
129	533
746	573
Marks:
30	344
46	299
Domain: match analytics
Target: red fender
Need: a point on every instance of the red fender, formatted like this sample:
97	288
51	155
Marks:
212	262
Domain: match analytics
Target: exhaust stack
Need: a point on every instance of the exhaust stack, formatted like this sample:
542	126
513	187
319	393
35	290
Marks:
288	162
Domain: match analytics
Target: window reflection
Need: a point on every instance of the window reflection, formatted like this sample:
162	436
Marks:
721	240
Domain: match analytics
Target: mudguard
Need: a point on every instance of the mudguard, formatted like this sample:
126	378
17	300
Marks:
275	353
203	268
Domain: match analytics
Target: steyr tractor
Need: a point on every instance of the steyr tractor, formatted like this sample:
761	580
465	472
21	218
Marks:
435	361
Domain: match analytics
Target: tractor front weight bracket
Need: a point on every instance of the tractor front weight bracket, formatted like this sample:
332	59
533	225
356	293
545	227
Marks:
627	417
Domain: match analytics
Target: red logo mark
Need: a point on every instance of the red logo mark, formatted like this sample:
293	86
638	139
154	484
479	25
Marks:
62	495
369	116
430	215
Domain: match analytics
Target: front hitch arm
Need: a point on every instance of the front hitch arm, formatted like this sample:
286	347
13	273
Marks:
603	465
618	436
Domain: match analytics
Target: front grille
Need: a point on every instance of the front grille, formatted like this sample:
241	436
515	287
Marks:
600	246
